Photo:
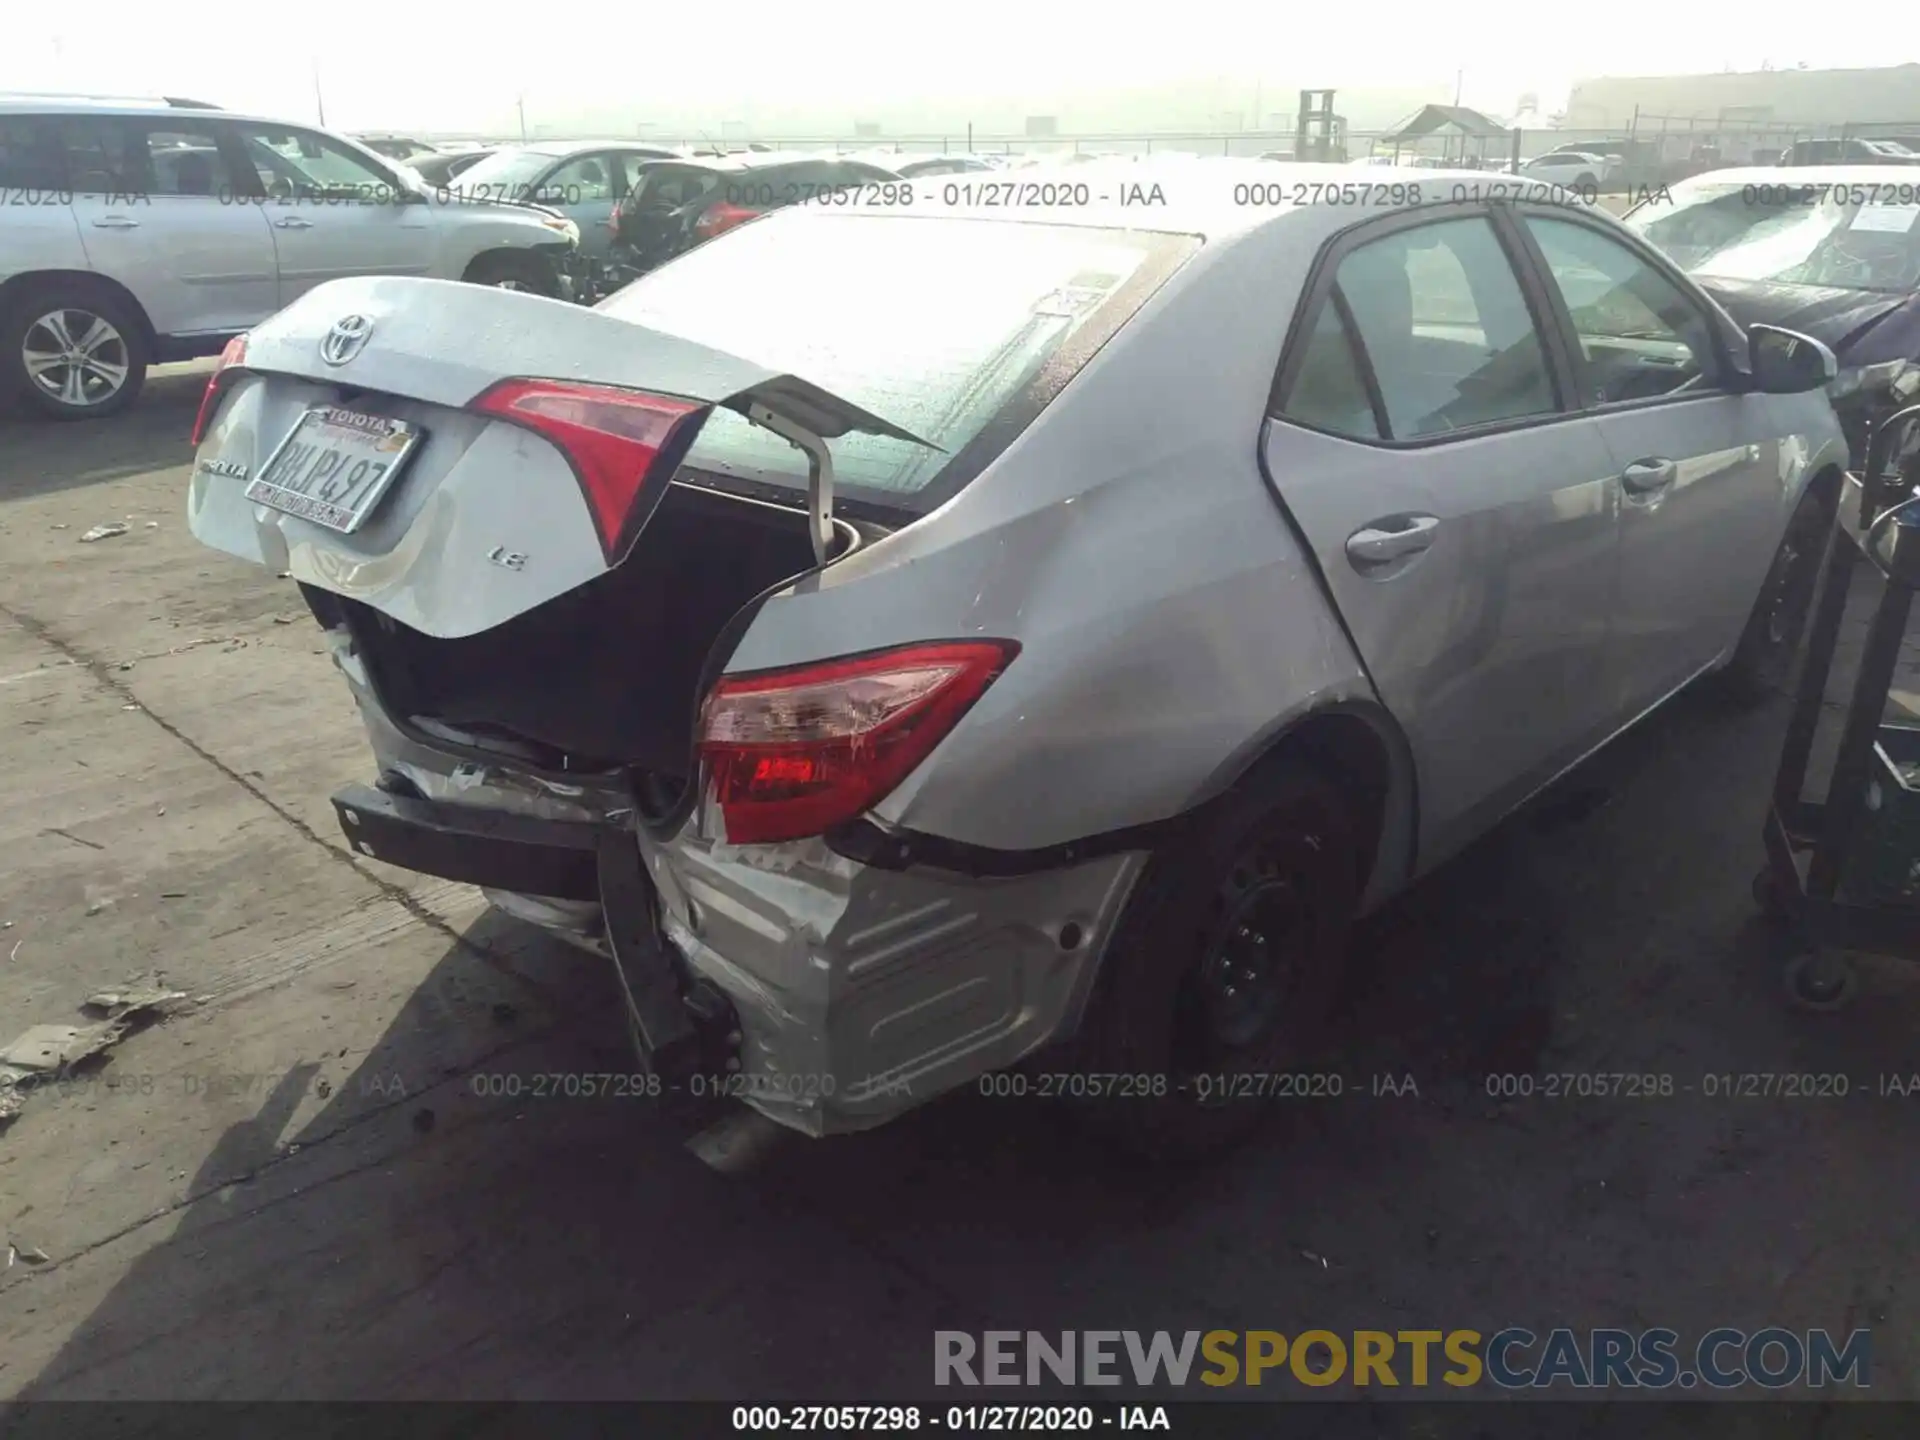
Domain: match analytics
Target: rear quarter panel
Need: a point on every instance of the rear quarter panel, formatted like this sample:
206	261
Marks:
1169	621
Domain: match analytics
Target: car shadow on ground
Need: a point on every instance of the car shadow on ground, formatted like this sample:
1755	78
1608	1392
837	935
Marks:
466	1242
39	456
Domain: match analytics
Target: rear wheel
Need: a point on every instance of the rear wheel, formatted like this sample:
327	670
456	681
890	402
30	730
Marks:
1223	972
73	351
1762	664
515	270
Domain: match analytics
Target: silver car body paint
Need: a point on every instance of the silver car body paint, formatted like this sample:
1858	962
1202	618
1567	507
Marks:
1155	543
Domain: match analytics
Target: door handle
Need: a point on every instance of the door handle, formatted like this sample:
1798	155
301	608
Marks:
1390	540
292	222
1644	477
115	222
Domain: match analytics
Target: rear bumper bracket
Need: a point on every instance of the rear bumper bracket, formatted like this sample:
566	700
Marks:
488	848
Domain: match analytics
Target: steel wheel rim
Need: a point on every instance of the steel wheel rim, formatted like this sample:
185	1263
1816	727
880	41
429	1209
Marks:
1254	949
78	365
1789	589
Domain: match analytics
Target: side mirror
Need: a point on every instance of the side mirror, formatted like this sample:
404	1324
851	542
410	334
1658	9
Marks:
1785	362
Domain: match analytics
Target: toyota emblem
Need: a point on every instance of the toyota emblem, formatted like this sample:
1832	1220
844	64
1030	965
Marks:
346	339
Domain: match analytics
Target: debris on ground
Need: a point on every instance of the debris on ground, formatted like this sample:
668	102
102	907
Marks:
103	532
33	1255
152	996
47	1053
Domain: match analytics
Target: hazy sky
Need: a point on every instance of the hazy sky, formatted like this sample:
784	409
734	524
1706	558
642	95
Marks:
408	64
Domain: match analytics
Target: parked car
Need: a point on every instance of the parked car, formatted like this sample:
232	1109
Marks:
1575	169
742	188
397	147
909	168
650	220
441	167
582	180
1833	251
159	233
1848	152
916	695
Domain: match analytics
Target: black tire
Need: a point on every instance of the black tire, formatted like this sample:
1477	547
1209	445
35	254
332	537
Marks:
1763	662
515	270
1586	182
36	323
1277	858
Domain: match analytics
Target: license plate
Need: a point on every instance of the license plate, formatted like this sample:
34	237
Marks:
334	466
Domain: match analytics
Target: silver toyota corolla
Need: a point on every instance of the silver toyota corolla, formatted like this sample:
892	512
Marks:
904	639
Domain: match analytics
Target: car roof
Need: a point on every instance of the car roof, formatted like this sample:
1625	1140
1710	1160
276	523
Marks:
1794	174
61	105
1206	195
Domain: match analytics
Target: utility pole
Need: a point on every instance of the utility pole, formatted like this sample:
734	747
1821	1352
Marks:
1459	81
520	104
319	102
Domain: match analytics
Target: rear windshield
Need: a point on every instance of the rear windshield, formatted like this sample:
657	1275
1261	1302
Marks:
1862	236
938	325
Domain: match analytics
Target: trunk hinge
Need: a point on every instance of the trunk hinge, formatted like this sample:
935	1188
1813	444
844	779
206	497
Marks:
819	474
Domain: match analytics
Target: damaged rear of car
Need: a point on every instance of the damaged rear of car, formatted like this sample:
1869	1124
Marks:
543	541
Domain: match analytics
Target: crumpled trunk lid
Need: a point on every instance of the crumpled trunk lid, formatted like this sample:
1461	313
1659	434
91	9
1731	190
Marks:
483	518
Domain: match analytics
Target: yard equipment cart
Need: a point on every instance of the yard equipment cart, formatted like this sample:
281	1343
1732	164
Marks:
1844	871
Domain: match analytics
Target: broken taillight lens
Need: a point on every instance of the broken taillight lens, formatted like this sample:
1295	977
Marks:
232	357
612	437
792	753
721	217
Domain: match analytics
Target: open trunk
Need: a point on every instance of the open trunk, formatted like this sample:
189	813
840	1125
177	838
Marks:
480	486
604	675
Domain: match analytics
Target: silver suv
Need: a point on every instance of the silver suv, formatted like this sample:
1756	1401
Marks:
147	232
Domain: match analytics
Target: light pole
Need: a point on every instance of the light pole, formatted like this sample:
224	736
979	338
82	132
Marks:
520	104
319	102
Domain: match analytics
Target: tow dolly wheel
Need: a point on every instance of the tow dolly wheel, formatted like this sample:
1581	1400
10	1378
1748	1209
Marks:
1769	894
1821	981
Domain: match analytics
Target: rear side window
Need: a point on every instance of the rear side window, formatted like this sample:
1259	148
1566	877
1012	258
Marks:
30	156
1327	392
934	324
105	157
1446	329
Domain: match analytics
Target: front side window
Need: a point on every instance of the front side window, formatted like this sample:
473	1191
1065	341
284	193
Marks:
1446	329
300	165
1640	337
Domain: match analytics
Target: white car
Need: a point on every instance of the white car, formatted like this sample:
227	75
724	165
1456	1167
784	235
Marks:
1575	169
138	234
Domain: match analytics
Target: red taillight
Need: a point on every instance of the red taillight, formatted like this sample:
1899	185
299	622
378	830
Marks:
233	355
721	217
792	753
613	437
